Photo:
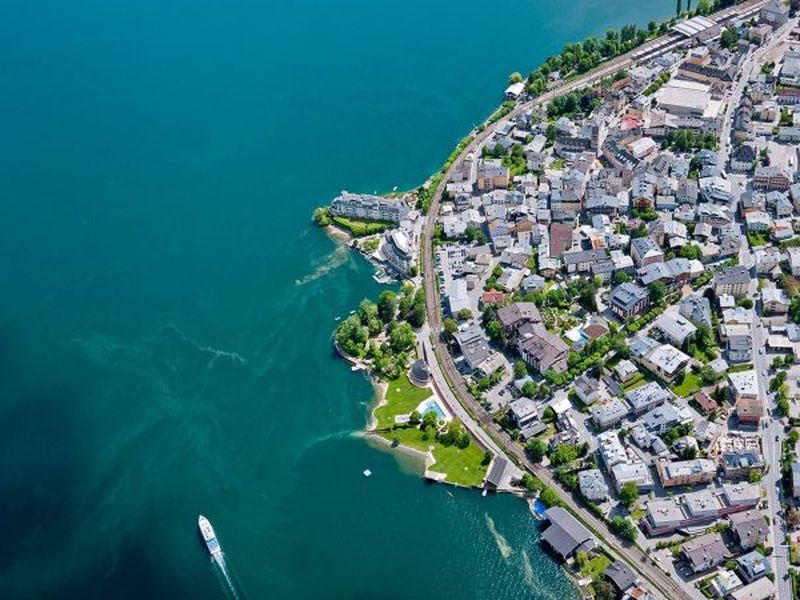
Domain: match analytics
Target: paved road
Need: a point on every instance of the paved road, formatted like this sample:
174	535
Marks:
750	64
773	433
479	422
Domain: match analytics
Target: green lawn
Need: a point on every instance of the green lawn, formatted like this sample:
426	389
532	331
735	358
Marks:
361	228
687	384
402	397
596	566
634	382
757	238
739	368
461	466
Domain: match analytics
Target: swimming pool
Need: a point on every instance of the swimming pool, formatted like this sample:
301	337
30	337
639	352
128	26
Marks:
431	405
539	507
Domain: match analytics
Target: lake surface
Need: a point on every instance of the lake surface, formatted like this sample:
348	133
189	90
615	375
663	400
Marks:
166	308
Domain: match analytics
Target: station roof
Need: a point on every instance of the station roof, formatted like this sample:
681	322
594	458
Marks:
694	26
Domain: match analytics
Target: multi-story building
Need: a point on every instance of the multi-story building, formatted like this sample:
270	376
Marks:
732	280
629	299
771	178
686	472
368	207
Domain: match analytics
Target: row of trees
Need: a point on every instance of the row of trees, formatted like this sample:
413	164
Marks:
584	100
584	56
686	140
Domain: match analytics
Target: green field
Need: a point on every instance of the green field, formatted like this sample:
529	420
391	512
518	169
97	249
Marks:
595	566
687	385
462	467
402	397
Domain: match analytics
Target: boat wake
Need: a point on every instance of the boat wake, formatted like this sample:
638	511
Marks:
502	544
333	261
224	575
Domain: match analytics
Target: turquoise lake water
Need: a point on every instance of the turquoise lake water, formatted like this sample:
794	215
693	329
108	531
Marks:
166	309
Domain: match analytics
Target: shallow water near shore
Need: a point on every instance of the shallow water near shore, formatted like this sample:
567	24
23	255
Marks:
166	307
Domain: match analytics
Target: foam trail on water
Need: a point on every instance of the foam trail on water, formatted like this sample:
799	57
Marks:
215	352
502	543
334	260
223	568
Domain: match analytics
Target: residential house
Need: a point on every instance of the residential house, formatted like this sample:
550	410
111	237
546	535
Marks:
732	280
543	350
705	552
593	485
609	414
645	250
775	301
628	299
665	361
753	565
646	397
750	528
771	178
676	329
697	309
492	174
761	589
524	411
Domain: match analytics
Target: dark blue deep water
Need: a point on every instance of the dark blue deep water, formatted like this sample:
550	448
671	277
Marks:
166	309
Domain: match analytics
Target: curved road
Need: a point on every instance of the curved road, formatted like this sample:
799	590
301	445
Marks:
661	583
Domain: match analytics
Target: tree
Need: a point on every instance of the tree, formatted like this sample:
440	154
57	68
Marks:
352	336
624	528
530	483
621	277
464	314
657	292
563	454
387	306
367	310
321	216
450	327
494	329
455	435
529	389
515	77
414	418
536	449
754	476
429	420
629	494
520	369
402	338
603	590
729	38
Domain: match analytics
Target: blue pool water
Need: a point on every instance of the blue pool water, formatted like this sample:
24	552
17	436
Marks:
431	405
